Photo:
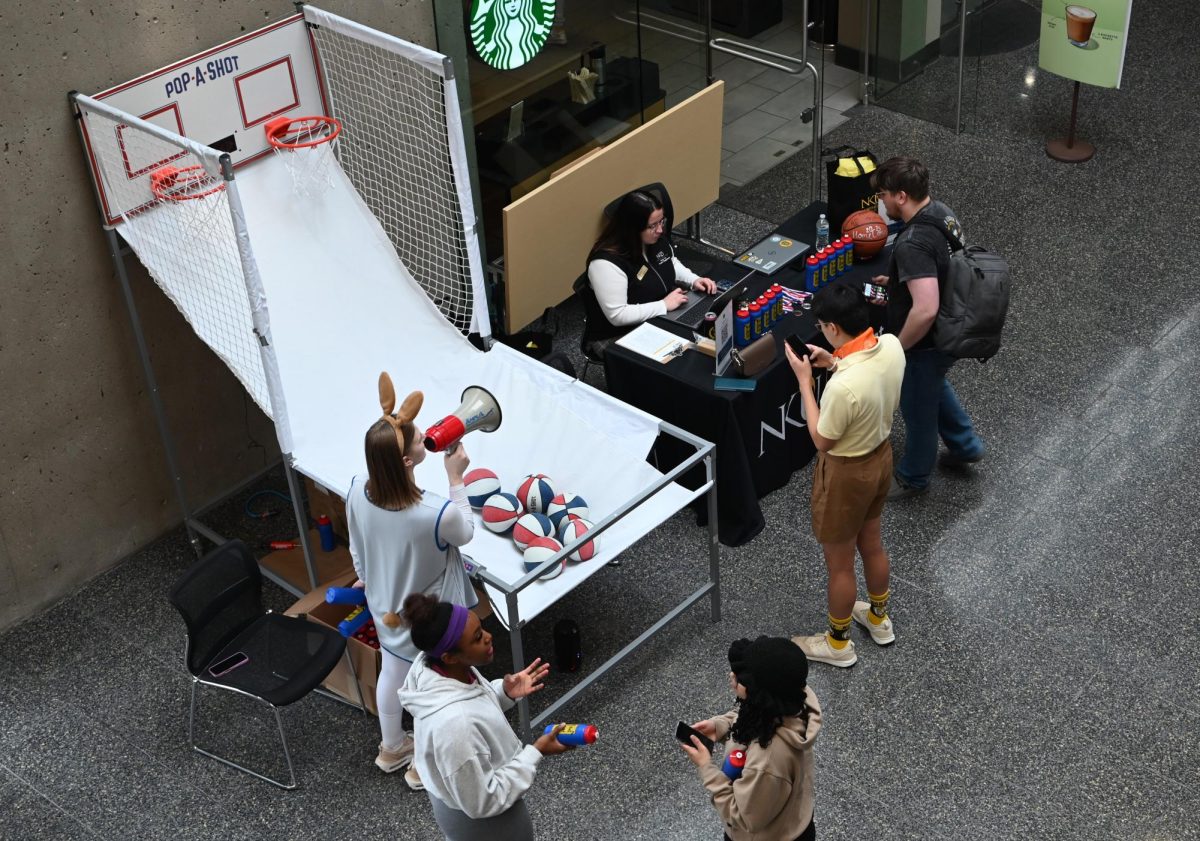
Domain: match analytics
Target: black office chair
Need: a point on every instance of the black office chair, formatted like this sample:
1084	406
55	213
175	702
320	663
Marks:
233	644
659	191
598	331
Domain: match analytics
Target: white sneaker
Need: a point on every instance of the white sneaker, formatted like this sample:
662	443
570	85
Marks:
817	648
393	760
413	779
883	633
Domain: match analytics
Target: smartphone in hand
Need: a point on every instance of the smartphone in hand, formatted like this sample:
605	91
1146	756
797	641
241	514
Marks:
685	732
798	347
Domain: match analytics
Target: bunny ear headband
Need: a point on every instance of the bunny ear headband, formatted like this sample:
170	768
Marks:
408	409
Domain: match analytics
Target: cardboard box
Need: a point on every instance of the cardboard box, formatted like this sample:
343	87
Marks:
321	500
366	659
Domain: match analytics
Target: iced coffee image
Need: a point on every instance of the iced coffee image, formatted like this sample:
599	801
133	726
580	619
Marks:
1080	20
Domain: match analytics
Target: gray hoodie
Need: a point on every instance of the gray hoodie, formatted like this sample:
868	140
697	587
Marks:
464	748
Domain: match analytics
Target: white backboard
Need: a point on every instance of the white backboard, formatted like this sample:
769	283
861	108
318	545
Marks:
222	97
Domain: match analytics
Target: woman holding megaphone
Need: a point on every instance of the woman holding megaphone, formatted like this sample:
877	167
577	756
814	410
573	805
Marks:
404	540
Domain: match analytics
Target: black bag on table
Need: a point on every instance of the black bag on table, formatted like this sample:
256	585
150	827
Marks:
853	192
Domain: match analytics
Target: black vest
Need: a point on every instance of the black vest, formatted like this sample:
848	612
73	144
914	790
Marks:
657	272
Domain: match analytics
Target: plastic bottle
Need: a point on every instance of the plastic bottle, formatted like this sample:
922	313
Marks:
823	256
777	296
756	325
849	251
764	307
325	528
822	231
575	734
734	764
742	327
812	273
840	246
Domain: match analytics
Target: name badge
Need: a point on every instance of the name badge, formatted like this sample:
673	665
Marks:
642	272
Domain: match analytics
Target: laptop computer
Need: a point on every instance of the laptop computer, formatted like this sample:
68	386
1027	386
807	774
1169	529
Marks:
692	313
772	254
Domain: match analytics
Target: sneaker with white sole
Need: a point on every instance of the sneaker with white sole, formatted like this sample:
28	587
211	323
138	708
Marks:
413	779
883	633
393	760
817	648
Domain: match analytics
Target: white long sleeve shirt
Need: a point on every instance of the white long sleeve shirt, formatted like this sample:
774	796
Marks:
612	292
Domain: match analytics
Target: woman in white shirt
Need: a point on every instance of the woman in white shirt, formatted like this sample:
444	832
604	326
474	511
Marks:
404	540
632	268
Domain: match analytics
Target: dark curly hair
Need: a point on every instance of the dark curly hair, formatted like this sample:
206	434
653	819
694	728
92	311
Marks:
774	672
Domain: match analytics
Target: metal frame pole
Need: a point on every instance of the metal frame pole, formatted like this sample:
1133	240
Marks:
714	545
868	7
301	520
962	56
160	417
513	609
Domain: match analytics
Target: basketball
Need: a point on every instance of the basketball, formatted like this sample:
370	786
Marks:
540	550
564	504
500	512
481	484
535	493
869	232
530	526
574	528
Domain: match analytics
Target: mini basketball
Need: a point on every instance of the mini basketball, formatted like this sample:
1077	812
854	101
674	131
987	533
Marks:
869	232
540	550
500	512
575	528
535	493
481	484
530	526
564	504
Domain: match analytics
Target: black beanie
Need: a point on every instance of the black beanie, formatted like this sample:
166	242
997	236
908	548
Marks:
774	671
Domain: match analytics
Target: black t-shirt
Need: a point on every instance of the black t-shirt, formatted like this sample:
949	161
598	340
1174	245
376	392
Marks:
920	250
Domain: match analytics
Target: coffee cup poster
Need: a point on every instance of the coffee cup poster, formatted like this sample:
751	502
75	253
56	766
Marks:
1085	41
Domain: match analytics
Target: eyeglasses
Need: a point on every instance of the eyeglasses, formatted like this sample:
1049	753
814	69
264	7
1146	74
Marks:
657	226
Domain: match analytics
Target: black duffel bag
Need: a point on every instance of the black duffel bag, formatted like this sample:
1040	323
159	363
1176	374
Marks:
848	176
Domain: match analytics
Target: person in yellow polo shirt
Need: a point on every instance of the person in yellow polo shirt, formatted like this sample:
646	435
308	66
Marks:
851	429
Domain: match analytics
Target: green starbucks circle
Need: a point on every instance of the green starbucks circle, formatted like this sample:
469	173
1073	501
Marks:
508	33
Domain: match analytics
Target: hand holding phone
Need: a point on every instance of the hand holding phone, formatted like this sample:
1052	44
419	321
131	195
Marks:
798	347
684	733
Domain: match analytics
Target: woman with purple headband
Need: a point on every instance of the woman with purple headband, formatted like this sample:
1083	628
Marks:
474	767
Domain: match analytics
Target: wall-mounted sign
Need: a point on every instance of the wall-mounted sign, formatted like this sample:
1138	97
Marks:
508	33
1085	42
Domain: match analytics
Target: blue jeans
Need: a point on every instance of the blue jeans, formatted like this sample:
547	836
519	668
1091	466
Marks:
930	408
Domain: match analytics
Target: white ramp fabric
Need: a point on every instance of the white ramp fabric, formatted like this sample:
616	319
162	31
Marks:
344	308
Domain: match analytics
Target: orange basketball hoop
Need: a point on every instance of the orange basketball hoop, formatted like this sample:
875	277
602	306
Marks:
181	184
306	146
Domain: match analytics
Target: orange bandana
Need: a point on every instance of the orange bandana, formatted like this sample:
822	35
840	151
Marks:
863	341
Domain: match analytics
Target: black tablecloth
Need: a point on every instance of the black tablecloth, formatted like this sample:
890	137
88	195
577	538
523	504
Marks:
760	435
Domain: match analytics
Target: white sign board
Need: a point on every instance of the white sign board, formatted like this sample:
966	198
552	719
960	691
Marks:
222	97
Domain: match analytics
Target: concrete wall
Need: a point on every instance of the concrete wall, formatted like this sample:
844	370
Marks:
84	478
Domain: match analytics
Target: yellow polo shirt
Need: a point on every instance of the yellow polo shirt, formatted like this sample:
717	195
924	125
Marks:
861	397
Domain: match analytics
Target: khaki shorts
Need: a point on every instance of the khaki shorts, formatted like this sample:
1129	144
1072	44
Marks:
849	491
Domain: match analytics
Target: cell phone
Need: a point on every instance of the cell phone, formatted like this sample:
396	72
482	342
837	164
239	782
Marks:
228	664
798	347
684	734
874	293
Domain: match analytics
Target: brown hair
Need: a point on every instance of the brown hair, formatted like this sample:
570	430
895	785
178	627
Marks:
388	484
901	174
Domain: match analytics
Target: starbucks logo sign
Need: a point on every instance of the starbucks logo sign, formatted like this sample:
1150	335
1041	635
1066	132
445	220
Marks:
508	33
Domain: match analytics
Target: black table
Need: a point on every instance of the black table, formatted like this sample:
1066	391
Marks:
760	435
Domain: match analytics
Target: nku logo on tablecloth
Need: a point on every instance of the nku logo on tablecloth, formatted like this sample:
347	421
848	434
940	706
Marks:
508	33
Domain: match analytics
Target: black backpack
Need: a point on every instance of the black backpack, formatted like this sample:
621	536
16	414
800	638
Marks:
973	300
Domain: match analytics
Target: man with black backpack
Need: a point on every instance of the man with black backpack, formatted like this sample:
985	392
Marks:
918	272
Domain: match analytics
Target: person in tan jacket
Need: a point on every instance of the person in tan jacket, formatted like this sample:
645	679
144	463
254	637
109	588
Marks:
776	722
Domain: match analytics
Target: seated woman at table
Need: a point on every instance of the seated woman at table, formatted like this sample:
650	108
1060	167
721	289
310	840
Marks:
633	269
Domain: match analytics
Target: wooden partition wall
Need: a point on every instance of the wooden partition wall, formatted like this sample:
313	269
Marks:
549	231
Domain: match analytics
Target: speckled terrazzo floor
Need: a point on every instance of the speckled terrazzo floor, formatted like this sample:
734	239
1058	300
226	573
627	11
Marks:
1043	685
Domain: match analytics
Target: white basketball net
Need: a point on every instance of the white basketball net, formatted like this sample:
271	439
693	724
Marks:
307	146
195	196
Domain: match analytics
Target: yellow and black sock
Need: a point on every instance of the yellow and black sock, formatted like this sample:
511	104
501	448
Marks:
878	611
839	632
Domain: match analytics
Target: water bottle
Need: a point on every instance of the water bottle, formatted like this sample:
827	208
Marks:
840	246
734	764
812	273
756	325
325	529
742	327
822	232
575	734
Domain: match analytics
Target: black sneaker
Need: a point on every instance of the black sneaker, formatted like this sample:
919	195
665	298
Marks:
949	459
900	490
